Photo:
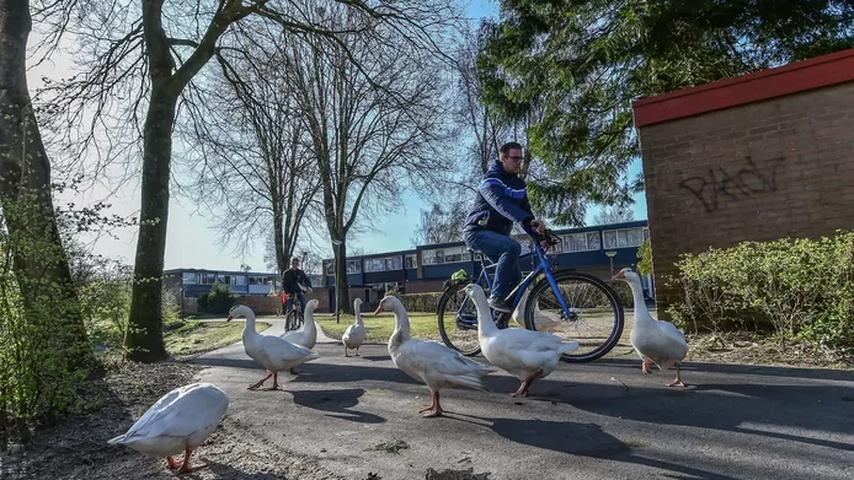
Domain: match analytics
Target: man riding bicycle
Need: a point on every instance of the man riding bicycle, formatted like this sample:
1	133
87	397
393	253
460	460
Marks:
294	283
501	202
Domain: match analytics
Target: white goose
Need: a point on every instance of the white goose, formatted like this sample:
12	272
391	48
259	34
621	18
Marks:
180	421
306	336
543	322
273	353
525	354
354	336
656	341
429	362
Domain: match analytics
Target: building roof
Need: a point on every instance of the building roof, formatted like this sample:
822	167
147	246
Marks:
562	231
224	272
818	72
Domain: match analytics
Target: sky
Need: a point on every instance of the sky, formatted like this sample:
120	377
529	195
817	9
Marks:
193	242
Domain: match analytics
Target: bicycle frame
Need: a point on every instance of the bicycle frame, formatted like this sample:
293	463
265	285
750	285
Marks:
542	266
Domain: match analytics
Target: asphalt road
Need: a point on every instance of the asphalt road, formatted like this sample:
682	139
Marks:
599	420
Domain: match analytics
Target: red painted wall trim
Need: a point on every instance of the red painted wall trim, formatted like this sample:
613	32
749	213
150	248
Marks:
795	77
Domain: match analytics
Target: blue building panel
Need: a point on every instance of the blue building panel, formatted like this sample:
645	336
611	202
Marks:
381	277
440	272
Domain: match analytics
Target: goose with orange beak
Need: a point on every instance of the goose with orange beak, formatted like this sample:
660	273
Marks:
429	362
273	353
656	341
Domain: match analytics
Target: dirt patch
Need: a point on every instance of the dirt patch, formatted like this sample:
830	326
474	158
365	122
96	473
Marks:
393	446
455	475
755	349
77	449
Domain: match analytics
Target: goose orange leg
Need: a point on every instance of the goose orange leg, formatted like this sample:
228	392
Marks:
646	366
523	388
186	467
275	382
678	381
434	410
260	382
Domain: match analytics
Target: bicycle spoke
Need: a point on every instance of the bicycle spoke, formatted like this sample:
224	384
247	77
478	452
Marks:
595	319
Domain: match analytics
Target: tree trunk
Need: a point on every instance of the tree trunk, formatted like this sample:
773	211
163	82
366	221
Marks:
279	241
144	340
342	286
40	262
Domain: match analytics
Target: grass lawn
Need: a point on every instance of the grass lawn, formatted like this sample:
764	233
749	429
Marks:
190	336
380	327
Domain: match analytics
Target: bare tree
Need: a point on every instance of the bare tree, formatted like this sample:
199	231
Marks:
253	170
441	224
39	261
373	110
475	119
617	214
136	75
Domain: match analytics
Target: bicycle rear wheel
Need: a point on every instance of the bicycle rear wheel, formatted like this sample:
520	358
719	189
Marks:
595	314
457	316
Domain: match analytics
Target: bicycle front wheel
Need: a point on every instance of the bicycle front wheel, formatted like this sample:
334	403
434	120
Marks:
457	316
595	317
291	321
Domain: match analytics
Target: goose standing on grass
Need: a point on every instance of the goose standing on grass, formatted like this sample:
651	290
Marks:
354	336
273	353
525	354
180	421
656	341
429	362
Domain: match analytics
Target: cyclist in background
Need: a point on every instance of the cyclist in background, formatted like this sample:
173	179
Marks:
294	283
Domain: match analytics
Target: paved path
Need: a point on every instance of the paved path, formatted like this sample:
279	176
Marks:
600	420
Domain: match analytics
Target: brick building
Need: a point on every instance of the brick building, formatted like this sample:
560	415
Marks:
757	157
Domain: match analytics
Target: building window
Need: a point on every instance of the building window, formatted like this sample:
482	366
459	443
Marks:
329	268
411	261
441	256
238	280
593	242
208	278
354	266
393	263
189	278
374	264
623	238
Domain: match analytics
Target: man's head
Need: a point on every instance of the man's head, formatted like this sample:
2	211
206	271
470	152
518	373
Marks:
294	262
510	156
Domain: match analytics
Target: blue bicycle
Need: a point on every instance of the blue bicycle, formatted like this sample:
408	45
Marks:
572	305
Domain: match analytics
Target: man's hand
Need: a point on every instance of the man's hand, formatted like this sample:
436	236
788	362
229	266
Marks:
539	226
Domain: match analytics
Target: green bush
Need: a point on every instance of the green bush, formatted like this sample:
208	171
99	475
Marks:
799	288
644	266
421	302
218	300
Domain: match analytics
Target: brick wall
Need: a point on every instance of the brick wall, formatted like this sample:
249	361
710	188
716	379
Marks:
761	171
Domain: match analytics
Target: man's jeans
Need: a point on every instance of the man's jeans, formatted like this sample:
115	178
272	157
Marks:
290	303
503	250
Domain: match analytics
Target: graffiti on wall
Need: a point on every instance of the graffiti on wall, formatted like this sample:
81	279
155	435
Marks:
722	185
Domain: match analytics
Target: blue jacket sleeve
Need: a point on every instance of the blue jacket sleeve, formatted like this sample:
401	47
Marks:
499	195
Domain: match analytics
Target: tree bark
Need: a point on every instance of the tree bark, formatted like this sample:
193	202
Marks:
144	339
342	286
25	192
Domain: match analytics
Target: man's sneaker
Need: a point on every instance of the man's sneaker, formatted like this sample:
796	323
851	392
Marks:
499	304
